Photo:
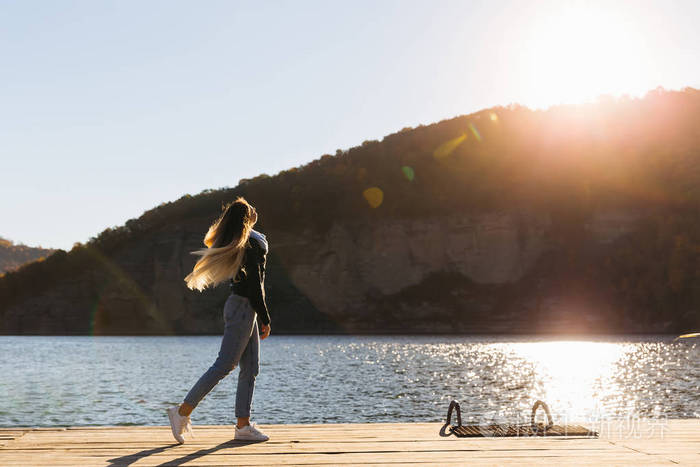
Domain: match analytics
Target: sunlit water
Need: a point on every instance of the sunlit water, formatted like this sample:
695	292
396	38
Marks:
48	381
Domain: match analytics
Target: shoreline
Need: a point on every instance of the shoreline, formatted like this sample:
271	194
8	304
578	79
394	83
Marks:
611	420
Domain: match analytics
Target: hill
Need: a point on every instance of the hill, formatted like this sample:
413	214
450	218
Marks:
577	219
12	255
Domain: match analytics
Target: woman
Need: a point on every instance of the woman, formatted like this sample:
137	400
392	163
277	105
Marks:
237	253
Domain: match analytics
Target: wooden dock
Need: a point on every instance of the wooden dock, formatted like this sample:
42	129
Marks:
633	443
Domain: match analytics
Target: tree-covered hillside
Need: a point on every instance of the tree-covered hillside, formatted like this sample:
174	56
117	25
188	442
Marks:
568	163
12	255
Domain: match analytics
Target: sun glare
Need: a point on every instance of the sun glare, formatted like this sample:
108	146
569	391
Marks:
576	375
581	51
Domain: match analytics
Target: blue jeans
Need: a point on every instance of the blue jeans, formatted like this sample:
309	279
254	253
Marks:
239	346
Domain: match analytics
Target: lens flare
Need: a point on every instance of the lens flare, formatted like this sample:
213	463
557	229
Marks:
475	132
445	149
686	336
374	196
408	172
121	279
493	117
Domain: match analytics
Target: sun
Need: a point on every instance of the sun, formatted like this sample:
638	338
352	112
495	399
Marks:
578	52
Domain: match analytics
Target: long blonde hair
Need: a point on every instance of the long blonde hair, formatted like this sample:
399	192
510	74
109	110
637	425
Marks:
225	241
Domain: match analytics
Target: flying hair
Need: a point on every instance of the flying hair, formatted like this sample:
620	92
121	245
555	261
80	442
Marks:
225	241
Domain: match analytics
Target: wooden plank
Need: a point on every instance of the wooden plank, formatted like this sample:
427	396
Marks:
207	458
342	444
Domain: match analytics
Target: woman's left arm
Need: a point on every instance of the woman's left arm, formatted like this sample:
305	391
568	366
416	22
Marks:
257	282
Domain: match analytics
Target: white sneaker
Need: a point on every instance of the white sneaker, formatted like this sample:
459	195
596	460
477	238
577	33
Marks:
250	433
179	424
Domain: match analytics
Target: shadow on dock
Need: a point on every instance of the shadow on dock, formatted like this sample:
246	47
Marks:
137	456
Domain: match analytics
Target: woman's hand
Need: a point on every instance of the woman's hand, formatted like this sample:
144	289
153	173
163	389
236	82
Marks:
265	328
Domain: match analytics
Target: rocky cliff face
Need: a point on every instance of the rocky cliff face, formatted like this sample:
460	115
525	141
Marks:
352	263
357	273
489	272
351	278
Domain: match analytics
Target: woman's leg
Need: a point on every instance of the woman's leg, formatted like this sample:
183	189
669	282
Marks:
250	365
238	325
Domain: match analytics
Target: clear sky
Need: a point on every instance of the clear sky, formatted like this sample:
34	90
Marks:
109	108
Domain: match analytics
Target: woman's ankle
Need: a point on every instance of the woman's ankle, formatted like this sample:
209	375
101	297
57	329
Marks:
242	422
185	409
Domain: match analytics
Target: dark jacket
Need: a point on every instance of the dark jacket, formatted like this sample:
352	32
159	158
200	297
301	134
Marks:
250	280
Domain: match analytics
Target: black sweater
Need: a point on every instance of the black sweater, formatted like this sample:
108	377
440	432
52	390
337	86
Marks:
250	279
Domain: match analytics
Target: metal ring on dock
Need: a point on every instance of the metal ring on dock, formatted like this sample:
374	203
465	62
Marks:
454	405
550	422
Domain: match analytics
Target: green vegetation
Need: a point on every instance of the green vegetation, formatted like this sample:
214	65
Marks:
567	161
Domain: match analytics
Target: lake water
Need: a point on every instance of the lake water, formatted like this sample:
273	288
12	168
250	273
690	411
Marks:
58	381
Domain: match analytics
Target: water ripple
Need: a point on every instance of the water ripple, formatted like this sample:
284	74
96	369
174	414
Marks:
59	381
